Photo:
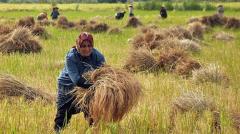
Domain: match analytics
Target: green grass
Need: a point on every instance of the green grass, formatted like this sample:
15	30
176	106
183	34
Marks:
151	115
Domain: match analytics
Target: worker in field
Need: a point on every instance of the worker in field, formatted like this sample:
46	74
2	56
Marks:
131	8
131	11
83	57
55	13
220	10
119	15
163	12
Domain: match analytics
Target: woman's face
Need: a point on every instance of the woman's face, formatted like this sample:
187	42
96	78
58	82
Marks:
85	49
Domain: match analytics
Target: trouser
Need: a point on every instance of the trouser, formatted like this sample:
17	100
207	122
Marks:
65	107
131	14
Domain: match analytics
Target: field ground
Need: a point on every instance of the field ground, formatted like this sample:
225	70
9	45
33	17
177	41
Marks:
151	115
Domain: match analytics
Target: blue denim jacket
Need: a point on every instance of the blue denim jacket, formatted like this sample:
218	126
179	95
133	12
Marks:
76	65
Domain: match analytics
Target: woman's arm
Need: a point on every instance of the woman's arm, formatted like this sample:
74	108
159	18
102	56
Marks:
75	75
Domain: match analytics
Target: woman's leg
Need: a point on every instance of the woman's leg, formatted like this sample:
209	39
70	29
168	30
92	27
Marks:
64	107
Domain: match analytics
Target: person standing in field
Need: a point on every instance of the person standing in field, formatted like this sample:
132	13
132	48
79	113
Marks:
131	11
220	10
119	15
83	57
163	12
55	13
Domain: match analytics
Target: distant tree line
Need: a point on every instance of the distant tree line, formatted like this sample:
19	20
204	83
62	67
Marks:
62	1
98	1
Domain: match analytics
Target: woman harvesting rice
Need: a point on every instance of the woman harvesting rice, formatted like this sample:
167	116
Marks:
80	59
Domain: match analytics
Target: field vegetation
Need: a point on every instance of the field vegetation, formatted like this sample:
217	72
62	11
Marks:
170	102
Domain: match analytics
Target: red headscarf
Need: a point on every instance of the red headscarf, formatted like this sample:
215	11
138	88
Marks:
84	36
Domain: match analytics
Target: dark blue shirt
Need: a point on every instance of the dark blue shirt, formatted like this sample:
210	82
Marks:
76	65
55	14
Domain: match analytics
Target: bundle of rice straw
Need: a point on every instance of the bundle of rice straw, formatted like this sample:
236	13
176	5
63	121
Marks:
196	29
138	41
26	22
185	67
205	20
20	40
161	39
82	25
93	21
193	19
178	32
99	27
153	26
11	87
64	23
3	38
169	43
214	20
235	116
140	60
113	95
149	38
45	22
223	36
169	59
195	102
40	31
82	22
92	26
148	28
233	23
211	73
5	29
133	22
42	16
115	30
190	45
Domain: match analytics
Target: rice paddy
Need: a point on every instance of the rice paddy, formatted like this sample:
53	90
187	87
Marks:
165	93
